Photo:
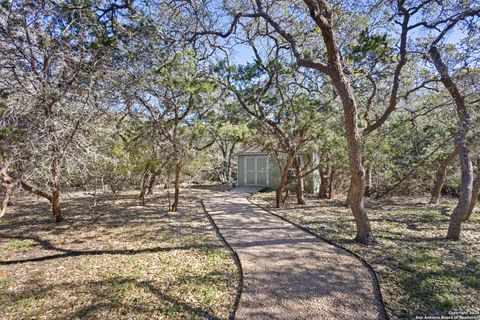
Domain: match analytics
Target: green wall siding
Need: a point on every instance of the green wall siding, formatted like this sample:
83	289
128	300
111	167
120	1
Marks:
312	181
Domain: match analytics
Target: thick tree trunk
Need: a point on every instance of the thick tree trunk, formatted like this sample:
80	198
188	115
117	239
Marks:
321	14
440	176
465	196
357	182
176	187
56	212
357	172
299	182
475	195
324	182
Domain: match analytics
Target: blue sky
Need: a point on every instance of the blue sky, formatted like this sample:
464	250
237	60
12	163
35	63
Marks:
243	54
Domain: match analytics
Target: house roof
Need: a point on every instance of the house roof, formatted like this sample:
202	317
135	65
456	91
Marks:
251	149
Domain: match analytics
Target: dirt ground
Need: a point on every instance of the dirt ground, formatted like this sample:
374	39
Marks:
420	272
123	261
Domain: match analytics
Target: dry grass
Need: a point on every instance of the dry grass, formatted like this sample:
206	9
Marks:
420	272
125	261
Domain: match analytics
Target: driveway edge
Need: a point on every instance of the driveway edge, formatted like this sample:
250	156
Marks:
235	257
375	281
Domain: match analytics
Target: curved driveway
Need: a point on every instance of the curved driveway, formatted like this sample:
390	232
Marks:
288	273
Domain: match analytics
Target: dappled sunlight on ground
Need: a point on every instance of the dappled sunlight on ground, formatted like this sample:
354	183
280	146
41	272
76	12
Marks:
420	272
123	261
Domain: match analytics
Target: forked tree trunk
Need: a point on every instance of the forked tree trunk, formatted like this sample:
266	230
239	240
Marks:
440	176
299	181
465	196
176	187
475	195
324	182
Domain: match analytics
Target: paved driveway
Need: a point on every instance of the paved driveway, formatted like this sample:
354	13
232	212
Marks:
288	273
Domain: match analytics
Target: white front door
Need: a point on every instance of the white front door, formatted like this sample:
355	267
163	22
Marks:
256	171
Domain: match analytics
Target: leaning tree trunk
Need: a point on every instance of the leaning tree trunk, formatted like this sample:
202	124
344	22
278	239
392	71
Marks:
8	183
151	183
6	198
299	182
465	196
475	195
324	182
440	176
53	197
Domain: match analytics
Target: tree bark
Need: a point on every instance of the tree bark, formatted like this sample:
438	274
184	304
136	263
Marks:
465	197
321	14
8	183
324	182
143	184
357	183
330	183
176	187
299	181
57	213
35	190
440	176
284	181
151	183
6	198
475	195
55	190
323	18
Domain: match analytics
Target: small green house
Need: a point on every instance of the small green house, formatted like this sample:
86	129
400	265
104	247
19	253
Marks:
257	167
